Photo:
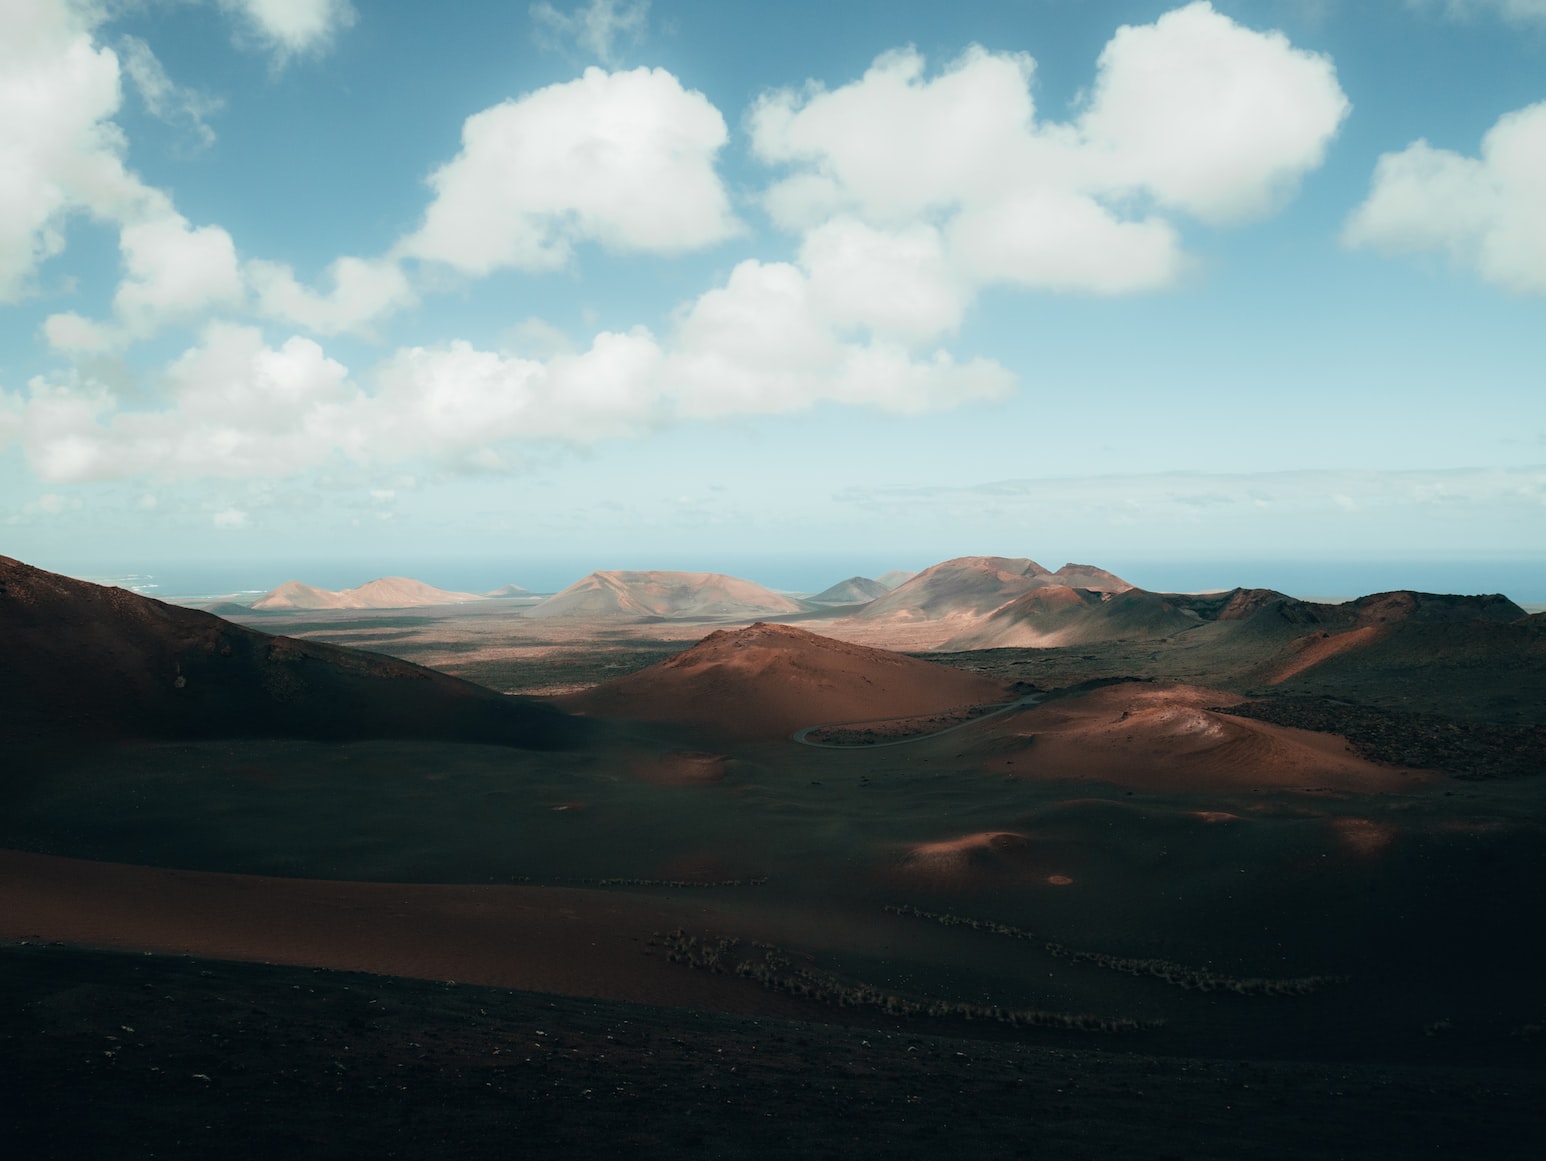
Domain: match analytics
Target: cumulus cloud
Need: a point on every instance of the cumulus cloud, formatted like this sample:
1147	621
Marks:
623	159
59	149
1193	114
761	344
290	28
600	28
1485	211
236	407
363	291
229	519
172	272
181	107
62	154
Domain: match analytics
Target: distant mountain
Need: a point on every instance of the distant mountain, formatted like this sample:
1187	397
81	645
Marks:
1061	615
392	592
974	586
508	591
1057	615
897	576
855	590
79	660
766	681
685	595
1087	576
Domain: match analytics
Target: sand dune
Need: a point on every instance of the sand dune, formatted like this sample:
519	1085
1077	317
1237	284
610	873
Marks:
1167	737
769	680
392	592
80	660
606	595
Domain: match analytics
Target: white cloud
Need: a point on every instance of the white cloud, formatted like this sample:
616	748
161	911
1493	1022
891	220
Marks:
599	28
623	159
898	284
761	344
173	272
289	28
1193	113
1485	212
237	408
59	150
229	519
179	106
363	291
61	153
1209	117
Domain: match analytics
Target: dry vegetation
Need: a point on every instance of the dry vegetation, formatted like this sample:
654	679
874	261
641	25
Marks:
1193	979
776	971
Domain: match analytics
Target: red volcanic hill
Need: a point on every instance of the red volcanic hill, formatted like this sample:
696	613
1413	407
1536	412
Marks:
1161	736
973	586
83	660
767	681
685	595
390	592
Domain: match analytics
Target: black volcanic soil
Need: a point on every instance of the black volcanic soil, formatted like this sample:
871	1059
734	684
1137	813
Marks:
110	1055
1077	929
1462	748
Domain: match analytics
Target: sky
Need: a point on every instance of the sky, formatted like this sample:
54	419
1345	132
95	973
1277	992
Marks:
1211	293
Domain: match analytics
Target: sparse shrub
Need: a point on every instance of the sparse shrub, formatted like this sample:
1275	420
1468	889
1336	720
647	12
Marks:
776	972
1179	975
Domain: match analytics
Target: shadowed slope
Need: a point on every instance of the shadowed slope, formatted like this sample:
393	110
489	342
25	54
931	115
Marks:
1060	615
78	659
766	681
664	594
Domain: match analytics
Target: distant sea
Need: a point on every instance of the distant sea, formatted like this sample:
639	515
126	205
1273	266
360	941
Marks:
1524	580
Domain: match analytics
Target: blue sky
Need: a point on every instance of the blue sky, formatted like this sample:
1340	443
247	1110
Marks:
614	284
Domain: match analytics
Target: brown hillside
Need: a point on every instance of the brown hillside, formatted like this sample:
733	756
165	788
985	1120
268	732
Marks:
1056	615
767	681
967	585
1167	737
84	660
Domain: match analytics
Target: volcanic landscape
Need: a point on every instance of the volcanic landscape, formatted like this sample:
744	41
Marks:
990	857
